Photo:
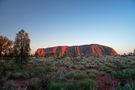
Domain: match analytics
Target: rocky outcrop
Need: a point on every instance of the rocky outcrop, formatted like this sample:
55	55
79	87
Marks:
88	50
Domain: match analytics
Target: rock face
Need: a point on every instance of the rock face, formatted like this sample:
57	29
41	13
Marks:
88	50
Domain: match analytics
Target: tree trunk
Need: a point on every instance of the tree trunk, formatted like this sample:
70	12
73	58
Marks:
0	53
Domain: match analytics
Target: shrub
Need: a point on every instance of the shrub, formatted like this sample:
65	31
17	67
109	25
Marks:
76	75
88	85
41	69
60	75
107	69
127	86
48	63
125	74
80	76
92	75
81	85
45	82
56	86
36	83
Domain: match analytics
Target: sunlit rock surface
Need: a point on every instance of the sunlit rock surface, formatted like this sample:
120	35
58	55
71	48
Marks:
87	50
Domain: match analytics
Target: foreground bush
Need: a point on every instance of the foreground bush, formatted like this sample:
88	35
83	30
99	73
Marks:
39	70
77	75
128	86
80	85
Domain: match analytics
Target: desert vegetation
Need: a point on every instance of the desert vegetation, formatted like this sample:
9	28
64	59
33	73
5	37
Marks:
21	71
69	73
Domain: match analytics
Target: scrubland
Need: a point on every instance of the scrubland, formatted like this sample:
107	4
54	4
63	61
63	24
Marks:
69	73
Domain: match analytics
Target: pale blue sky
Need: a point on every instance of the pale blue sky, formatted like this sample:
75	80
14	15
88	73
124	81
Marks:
71	22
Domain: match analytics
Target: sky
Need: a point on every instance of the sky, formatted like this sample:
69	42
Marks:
71	22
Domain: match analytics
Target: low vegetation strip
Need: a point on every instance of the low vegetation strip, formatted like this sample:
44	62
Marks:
69	73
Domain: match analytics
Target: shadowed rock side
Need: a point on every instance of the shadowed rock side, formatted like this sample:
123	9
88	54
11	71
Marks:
88	50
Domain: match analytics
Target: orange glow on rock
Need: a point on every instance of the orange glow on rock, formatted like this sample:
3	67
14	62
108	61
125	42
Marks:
91	50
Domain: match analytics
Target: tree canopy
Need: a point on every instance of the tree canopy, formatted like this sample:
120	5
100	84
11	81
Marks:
22	45
5	45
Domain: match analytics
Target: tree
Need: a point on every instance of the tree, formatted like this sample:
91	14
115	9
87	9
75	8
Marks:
134	52
130	54
5	45
22	47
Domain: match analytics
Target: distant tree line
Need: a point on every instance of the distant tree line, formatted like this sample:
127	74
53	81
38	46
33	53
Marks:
129	54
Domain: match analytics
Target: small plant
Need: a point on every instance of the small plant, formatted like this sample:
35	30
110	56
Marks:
36	83
41	69
69	75
92	75
76	75
125	87
80	85
60	75
56	86
80	76
88	85
48	63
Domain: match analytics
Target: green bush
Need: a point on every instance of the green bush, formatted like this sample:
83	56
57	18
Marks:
41	69
56	86
125	74
80	76
80	85
48	63
36	83
127	86
88	85
107	69
69	75
92	75
76	75
60	75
